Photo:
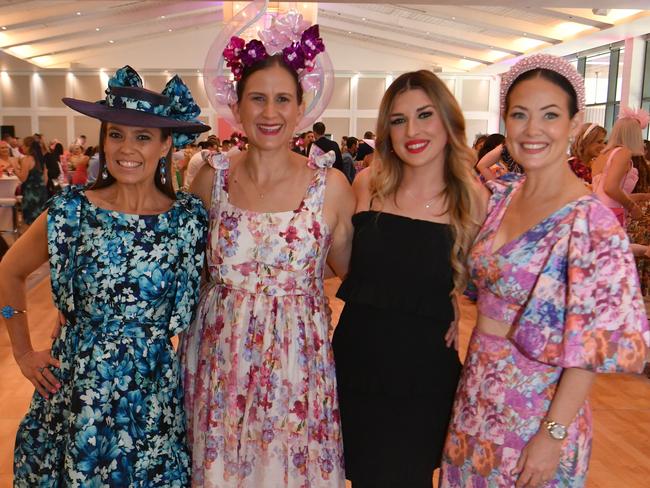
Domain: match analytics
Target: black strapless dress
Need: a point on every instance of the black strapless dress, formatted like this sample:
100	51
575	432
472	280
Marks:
396	377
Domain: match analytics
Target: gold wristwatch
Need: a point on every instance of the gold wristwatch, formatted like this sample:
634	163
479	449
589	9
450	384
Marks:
556	431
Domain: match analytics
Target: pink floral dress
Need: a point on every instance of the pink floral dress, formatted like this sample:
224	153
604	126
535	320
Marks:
259	374
570	291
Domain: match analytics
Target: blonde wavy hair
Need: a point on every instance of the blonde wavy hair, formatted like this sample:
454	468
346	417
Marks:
460	193
627	132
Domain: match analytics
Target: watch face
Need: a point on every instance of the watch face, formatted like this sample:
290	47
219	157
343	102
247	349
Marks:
558	432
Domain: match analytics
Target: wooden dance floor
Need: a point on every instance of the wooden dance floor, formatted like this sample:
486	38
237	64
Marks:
621	403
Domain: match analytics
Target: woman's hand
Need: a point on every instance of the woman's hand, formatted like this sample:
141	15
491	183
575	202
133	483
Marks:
538	461
35	366
635	211
451	337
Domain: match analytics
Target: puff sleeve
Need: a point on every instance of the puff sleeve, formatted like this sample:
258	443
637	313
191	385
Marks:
192	229
602	326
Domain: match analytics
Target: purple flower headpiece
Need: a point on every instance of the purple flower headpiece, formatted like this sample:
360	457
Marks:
290	35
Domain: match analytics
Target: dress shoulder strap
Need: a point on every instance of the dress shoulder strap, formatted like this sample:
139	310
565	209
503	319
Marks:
220	163
600	178
321	161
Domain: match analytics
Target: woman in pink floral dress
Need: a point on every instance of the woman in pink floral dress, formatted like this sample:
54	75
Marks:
258	366
558	301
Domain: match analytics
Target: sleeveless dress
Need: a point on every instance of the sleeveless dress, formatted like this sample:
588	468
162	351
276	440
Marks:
260	385
627	185
34	194
127	284
569	291
396	376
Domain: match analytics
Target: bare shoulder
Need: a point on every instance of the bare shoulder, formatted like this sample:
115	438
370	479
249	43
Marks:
361	188
202	184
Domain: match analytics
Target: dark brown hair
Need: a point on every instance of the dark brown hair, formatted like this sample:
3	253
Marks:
553	77
269	62
167	188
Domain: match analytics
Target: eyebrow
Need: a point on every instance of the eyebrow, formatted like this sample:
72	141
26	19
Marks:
543	108
285	94
417	110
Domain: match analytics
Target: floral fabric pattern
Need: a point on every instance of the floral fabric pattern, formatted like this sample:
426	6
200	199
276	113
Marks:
126	284
569	290
34	194
260	385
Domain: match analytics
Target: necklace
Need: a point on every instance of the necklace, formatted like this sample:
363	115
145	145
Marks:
427	203
256	188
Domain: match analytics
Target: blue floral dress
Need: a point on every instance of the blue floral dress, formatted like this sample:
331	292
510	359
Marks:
127	284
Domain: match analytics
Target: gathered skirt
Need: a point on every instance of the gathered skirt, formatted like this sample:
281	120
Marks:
502	398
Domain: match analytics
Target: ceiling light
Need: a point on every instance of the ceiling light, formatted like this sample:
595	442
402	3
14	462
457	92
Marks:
4	27
97	29
111	42
453	18
525	34
78	13
363	18
162	16
169	30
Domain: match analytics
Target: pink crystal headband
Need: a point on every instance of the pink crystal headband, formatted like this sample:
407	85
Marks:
640	115
543	61
289	35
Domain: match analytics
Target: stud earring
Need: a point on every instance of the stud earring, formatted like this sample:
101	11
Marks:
163	170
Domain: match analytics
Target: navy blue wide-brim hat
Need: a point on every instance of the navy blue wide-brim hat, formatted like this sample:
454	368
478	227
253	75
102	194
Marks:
127	102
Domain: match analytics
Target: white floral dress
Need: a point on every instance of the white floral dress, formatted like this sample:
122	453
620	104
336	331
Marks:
258	367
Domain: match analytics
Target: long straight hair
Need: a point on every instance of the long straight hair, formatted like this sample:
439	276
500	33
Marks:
460	193
167	188
628	133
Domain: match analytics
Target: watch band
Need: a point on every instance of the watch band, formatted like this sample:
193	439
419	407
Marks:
556	430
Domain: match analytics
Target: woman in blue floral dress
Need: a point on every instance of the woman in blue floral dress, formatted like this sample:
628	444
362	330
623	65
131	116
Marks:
125	259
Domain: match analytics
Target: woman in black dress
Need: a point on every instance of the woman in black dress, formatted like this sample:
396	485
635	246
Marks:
418	209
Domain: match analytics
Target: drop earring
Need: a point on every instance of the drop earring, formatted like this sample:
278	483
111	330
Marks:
163	170
104	173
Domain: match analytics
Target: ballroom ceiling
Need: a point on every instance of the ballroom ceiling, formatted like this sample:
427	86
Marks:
84	34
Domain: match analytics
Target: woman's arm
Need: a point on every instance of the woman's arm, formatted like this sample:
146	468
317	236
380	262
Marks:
25	256
618	168
487	161
202	185
540	458
340	204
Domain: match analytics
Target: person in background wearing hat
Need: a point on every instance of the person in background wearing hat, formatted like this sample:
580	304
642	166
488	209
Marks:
125	259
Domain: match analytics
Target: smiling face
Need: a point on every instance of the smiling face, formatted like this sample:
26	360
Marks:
268	109
132	153
417	133
538	123
5	150
595	148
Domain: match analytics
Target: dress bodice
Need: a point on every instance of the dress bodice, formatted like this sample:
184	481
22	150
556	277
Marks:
567	286
271	253
122	271
400	263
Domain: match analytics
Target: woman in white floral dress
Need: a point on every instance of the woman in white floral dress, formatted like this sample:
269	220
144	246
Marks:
260	385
